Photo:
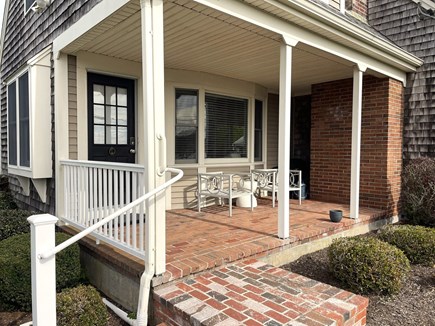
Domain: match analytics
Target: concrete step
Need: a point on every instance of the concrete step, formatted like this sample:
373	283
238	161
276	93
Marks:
255	293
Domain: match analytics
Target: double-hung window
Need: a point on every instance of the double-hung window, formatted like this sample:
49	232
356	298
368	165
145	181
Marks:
186	126
18	121
258	131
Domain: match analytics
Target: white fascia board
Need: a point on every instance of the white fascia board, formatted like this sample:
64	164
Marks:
376	62
95	16
322	17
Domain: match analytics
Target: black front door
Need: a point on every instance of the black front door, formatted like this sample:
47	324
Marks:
111	119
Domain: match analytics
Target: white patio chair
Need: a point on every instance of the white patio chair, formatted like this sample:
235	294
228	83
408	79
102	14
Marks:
224	186
267	180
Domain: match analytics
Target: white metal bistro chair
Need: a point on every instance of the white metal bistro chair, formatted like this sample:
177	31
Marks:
267	180
224	186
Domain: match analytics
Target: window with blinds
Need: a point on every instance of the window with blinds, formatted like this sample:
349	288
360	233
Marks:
258	132
226	126
186	126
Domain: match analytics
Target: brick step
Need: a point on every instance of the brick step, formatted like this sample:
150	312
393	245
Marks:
255	293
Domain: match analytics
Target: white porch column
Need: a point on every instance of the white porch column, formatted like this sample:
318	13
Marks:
356	140
284	137
154	124
61	127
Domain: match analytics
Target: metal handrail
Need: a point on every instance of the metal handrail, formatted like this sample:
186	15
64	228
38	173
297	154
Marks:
109	218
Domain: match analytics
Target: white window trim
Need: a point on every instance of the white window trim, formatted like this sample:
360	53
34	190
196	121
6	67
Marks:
215	162
39	93
27	10
18	169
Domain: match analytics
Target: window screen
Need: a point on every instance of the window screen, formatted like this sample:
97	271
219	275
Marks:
258	133
12	123
186	126
23	91
226	126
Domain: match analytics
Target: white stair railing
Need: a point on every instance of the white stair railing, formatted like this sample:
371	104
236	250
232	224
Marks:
44	252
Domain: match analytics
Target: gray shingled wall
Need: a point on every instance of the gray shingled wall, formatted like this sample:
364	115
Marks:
399	21
25	36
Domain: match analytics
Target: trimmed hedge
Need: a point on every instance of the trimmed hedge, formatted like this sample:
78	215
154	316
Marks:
15	270
368	265
81	306
7	201
418	191
13	222
417	242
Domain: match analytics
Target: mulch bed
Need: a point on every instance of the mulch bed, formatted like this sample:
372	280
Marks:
414	305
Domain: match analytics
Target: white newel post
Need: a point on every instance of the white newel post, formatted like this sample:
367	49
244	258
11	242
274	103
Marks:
285	73
43	270
356	140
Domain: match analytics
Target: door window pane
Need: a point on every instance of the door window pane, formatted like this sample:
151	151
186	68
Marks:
99	114
122	116
226	126
122	135
122	96
186	126
98	94
111	115
110	95
110	135
98	134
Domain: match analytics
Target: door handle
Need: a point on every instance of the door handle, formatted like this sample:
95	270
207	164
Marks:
132	151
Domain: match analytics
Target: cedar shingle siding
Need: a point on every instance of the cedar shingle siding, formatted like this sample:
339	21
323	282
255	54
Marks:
25	36
399	21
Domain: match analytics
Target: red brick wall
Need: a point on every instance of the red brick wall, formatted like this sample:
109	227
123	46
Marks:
381	141
359	7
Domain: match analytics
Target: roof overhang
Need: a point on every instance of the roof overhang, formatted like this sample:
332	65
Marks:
240	40
347	30
313	25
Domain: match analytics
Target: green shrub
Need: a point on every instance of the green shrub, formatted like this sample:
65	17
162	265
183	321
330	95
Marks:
15	272
368	265
81	306
13	222
418	191
6	201
417	242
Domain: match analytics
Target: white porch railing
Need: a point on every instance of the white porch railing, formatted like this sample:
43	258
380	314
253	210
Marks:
44	249
94	190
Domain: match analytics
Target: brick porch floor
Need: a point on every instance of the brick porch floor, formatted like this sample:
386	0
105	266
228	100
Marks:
237	290
201	246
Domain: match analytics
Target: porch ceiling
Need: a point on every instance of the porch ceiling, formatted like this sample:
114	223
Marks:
202	39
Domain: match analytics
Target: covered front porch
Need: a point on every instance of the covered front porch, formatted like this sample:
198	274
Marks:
191	68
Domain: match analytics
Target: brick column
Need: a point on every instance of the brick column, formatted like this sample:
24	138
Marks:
381	141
